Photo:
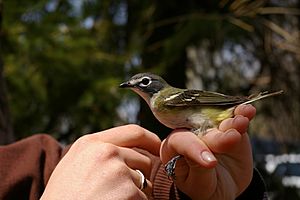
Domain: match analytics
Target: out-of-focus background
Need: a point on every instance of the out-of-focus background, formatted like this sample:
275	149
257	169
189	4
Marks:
61	62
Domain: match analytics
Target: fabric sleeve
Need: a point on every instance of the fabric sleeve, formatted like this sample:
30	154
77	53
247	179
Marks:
256	189
26	166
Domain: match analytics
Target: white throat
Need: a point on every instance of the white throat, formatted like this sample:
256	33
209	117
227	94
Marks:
143	95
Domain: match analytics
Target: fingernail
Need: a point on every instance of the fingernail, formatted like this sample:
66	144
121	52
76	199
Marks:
208	157
230	132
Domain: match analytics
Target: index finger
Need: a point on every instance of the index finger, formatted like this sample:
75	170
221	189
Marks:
131	136
186	143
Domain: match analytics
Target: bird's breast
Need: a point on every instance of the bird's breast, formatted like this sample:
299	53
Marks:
190	118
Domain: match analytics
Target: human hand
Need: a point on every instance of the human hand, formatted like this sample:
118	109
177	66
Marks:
217	166
102	166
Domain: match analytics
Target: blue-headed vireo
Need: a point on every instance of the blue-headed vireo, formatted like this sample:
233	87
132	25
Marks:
196	110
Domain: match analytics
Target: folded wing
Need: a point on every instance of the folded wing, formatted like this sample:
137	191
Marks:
200	97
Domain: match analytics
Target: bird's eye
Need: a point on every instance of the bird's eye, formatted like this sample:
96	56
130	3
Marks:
145	82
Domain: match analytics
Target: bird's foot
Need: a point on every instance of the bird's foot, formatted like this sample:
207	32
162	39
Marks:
170	166
199	132
202	130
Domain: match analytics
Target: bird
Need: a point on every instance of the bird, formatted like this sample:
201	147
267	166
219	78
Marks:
196	110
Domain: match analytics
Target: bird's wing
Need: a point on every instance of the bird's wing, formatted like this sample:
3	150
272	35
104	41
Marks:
199	97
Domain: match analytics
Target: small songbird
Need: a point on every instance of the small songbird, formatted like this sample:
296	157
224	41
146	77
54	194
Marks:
196	110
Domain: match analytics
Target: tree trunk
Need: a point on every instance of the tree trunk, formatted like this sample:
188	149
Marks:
6	131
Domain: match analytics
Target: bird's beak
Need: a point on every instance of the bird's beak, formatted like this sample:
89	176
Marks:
125	85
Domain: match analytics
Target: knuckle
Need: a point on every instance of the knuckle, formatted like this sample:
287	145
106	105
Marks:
133	126
136	130
107	151
83	141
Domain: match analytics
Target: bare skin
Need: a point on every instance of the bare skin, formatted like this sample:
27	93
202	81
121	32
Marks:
102	165
219	165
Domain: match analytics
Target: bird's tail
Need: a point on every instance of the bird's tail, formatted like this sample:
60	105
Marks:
261	95
252	98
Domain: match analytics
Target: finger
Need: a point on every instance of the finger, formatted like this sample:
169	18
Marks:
239	122
136	160
138	181
221	142
248	111
186	143
131	136
235	145
148	190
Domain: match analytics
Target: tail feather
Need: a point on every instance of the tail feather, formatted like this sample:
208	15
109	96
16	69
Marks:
261	95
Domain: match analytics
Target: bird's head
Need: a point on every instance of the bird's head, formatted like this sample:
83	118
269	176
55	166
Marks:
145	84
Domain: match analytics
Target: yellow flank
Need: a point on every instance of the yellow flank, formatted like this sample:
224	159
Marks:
217	115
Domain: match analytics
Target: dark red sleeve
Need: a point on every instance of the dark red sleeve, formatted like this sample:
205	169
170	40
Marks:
25	166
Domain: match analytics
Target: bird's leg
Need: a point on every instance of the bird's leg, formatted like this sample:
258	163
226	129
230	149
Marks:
202	130
199	132
170	166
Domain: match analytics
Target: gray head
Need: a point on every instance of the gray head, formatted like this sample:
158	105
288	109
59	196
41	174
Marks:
145	82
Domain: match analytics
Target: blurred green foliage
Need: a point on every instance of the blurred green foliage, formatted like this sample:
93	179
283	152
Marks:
64	59
62	75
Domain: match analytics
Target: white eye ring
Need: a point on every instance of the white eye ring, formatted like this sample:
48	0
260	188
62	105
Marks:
145	81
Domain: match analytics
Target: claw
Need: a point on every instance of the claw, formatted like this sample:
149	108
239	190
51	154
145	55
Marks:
170	166
203	129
